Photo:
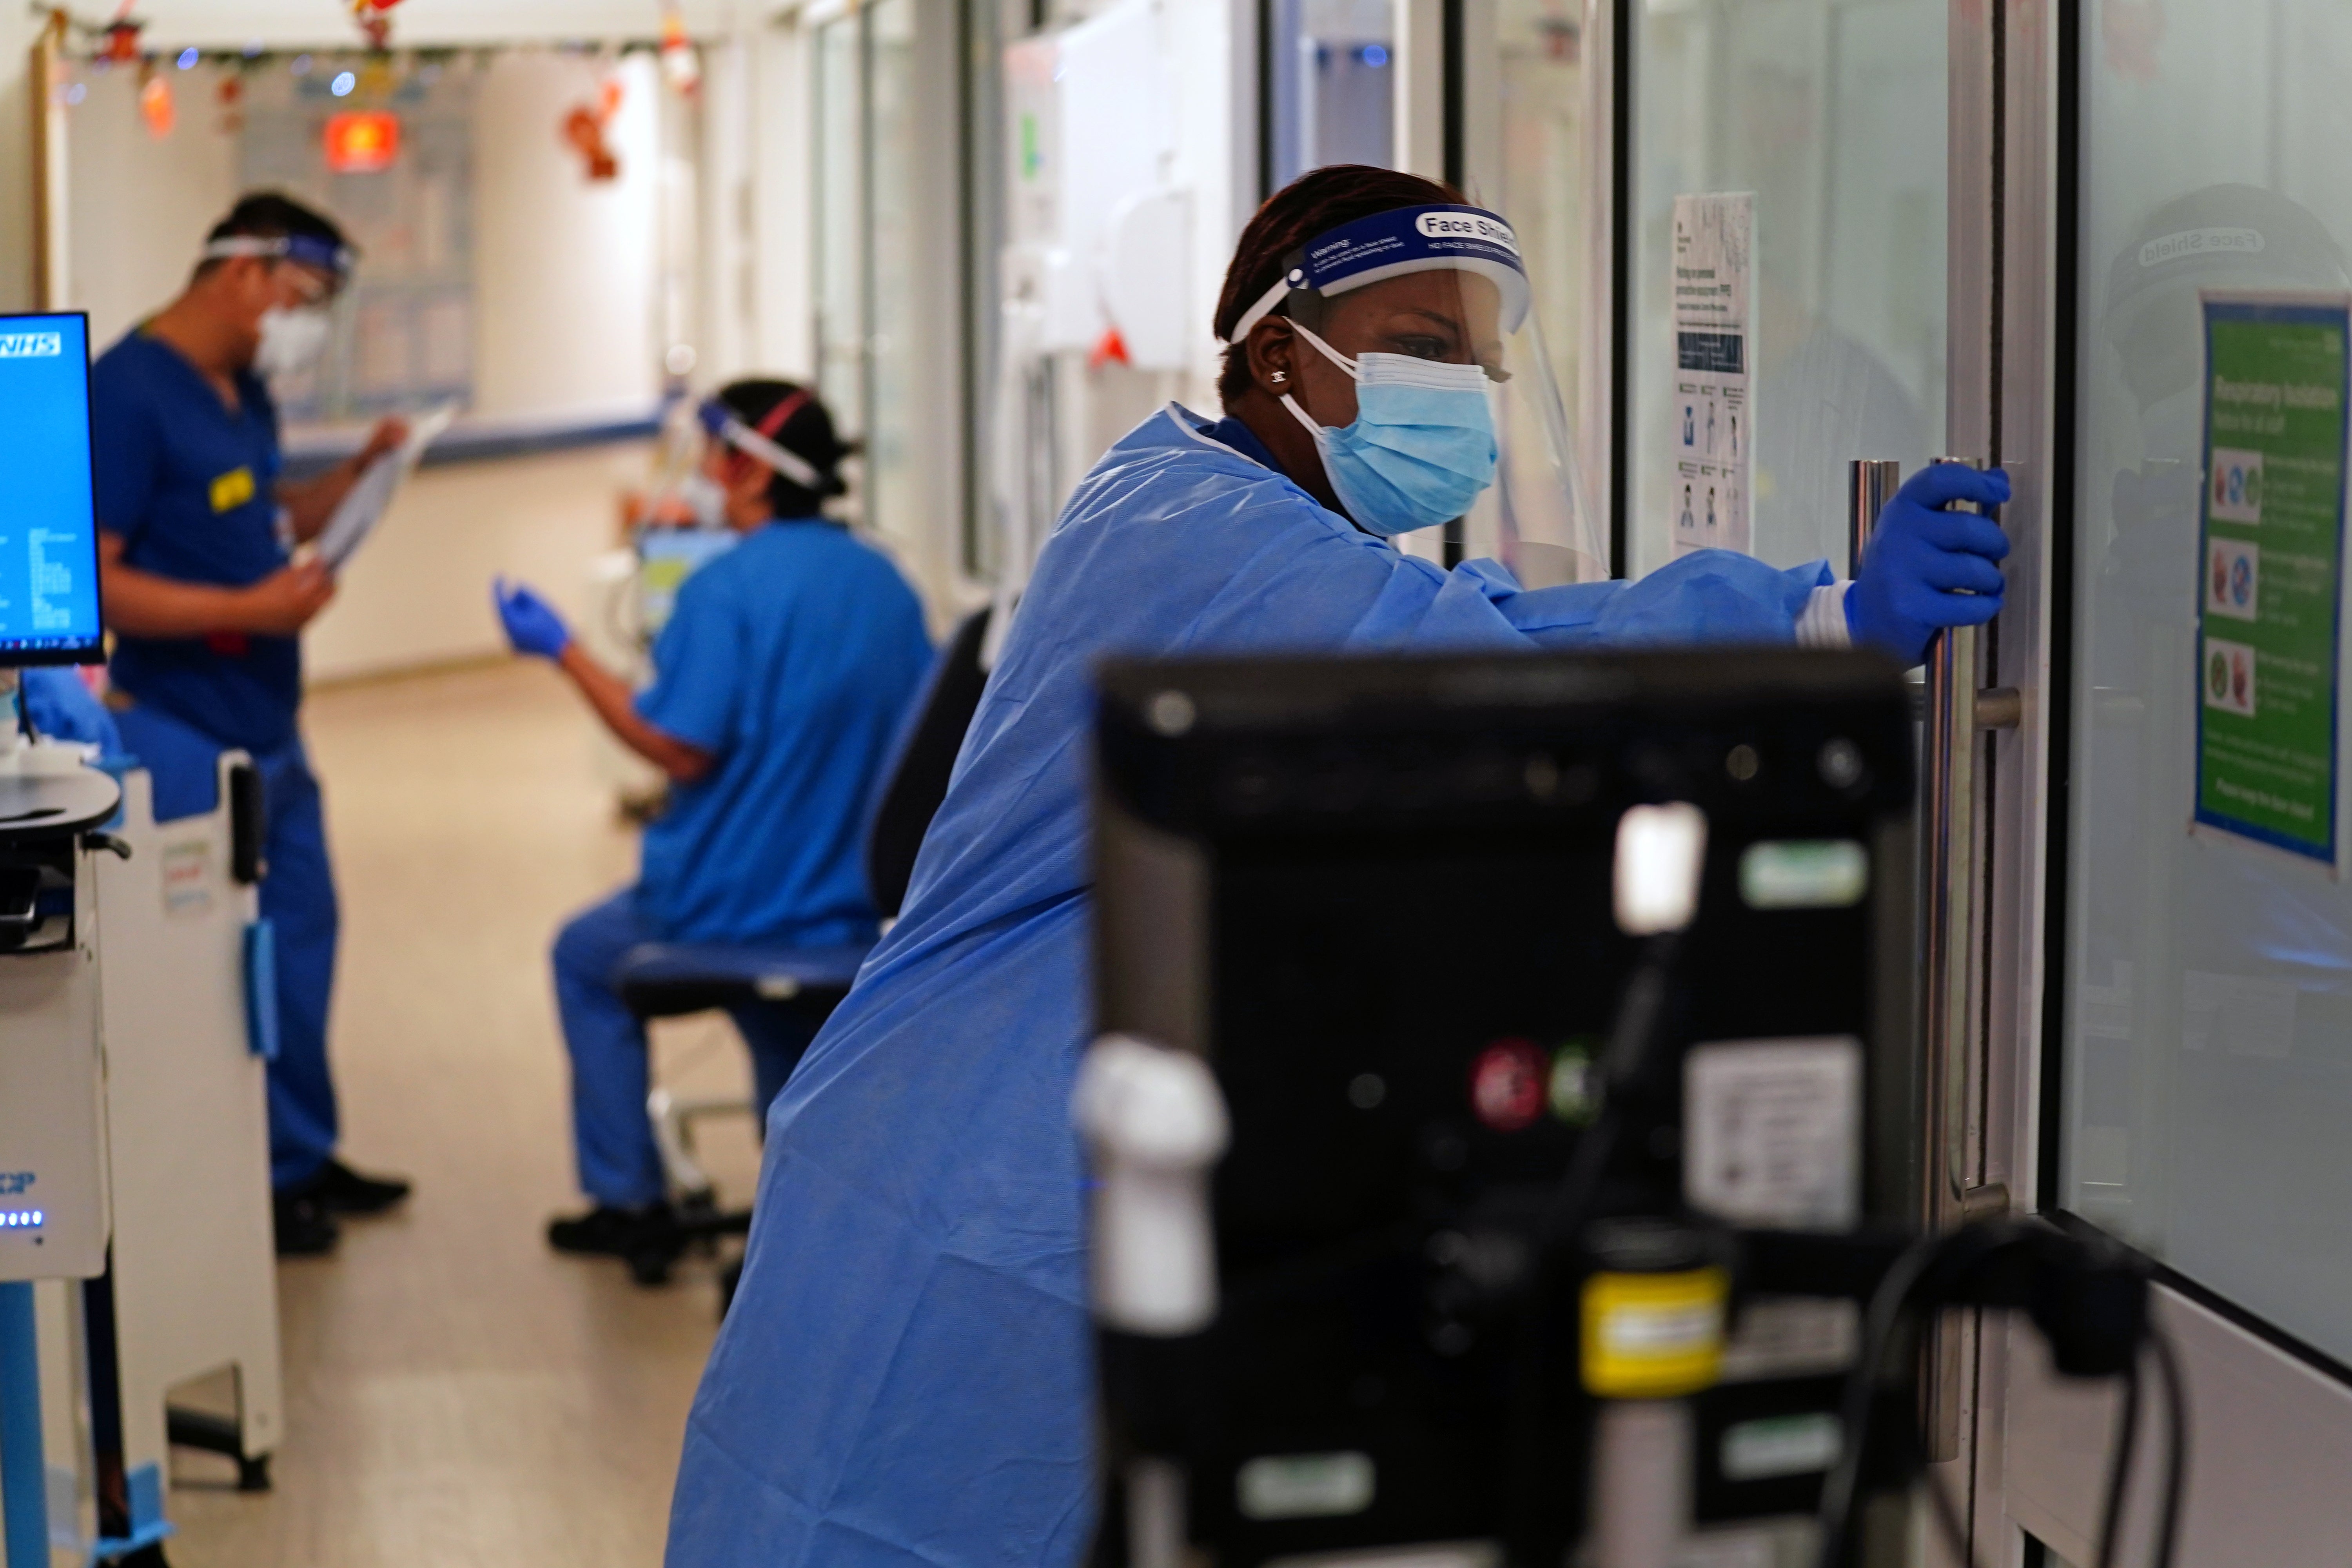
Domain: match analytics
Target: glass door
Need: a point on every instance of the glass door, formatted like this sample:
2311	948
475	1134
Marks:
840	180
1330	87
1831	115
2195	1043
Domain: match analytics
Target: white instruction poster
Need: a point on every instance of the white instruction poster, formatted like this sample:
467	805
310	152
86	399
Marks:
1713	439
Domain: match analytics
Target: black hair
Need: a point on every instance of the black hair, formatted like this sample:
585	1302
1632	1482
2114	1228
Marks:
271	215
1315	202
807	432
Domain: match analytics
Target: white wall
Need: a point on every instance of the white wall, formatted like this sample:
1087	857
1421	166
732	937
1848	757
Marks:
782	283
138	209
564	268
565	318
419	593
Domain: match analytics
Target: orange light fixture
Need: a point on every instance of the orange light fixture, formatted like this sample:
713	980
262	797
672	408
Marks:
363	142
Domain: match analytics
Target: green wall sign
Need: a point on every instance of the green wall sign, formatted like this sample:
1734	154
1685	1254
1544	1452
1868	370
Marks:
2271	568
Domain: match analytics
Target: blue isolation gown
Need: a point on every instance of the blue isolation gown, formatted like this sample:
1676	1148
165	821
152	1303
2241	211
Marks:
904	1376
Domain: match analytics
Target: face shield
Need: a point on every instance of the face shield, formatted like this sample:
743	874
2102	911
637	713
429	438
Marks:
723	426
1426	310
325	259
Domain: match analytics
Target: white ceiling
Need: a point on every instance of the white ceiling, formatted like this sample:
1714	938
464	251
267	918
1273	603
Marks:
286	23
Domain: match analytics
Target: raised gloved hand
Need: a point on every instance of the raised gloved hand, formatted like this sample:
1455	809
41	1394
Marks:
1927	567
532	623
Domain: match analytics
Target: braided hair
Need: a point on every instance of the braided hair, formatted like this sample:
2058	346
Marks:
1315	202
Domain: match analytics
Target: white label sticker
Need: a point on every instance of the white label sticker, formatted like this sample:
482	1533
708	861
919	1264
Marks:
1305	1486
1791	1336
1777	1445
1773	1131
1714	435
187	877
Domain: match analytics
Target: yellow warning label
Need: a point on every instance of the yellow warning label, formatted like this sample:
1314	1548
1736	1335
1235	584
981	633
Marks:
232	489
1654	1336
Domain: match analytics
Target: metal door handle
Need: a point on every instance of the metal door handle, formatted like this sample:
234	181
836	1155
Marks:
1957	709
1871	483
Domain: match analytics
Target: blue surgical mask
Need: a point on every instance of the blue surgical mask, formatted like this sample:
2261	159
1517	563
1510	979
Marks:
1423	445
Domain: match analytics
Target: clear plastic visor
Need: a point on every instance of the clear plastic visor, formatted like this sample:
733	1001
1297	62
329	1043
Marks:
1535	518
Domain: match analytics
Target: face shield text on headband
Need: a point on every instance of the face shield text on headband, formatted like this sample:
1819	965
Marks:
1421	448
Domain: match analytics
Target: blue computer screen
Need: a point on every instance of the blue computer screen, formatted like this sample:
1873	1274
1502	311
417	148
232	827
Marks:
48	530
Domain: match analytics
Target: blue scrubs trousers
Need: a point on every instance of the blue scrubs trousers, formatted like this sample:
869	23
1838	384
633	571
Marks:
620	1165
298	898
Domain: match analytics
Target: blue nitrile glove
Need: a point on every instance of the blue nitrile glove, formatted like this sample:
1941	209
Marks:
1920	554
532	626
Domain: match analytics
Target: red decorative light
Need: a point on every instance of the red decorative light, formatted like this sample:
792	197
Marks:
363	142
1507	1085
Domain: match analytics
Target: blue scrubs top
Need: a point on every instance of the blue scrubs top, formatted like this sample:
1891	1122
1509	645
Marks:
790	659
190	486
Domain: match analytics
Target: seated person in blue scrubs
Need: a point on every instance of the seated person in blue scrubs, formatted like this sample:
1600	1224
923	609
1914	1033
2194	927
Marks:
779	685
197	531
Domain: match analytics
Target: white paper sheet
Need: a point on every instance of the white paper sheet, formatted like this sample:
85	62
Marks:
369	499
1714	442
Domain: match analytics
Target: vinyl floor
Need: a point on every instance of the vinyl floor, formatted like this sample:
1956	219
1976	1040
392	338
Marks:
456	1394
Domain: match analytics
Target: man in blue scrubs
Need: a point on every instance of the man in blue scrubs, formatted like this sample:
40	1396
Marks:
198	528
779	685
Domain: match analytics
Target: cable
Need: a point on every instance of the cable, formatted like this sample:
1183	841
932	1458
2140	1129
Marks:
1887	1305
2119	1465
1949	1253
1642	1019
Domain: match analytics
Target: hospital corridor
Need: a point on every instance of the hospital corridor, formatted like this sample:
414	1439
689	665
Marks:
1175	783
467	1395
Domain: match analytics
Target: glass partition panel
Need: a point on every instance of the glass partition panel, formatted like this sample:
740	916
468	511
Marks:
1831	112
2208	1022
1333	88
1546	193
840	206
894	487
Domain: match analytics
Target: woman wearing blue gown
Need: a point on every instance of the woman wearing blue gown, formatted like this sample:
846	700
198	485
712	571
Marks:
904	1377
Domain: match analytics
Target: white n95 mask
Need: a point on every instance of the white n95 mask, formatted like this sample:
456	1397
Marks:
292	341
701	495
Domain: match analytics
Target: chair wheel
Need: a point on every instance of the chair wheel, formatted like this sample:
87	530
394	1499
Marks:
253	1475
651	1267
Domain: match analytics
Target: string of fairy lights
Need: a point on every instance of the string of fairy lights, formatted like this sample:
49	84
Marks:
370	74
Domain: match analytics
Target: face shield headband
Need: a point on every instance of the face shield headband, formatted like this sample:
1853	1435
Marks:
721	422
303	250
1402	240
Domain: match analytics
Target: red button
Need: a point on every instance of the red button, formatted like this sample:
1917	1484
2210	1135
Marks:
1507	1087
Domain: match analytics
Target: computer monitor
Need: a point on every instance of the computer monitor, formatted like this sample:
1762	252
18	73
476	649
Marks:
49	525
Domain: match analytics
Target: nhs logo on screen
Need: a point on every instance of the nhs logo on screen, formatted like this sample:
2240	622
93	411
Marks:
31	345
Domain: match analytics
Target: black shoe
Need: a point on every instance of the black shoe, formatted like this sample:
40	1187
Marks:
305	1228
607	1231
341	1190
